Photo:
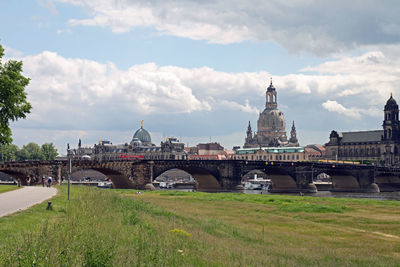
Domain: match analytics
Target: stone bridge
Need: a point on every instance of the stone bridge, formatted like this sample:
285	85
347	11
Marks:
217	175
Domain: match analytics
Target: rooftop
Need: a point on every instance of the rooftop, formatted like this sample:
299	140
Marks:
361	136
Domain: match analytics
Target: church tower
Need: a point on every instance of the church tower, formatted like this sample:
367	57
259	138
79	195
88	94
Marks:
249	132
272	102
249	141
293	137
391	120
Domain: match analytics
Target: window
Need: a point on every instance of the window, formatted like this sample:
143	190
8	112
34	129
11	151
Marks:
297	156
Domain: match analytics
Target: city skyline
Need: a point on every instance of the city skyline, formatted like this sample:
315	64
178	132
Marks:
199	71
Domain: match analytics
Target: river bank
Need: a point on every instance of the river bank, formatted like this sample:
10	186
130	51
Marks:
124	228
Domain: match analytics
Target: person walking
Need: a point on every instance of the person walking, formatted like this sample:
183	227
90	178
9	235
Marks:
19	182
49	182
43	181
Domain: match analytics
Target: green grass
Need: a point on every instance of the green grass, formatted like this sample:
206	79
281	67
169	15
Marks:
122	228
6	188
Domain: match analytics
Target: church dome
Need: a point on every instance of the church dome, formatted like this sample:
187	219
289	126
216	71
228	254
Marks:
271	119
141	135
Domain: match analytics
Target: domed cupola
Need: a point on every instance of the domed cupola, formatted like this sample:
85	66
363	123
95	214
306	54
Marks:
271	87
141	135
391	103
271	97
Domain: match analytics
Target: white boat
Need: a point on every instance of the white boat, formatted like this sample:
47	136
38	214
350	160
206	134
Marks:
257	184
104	184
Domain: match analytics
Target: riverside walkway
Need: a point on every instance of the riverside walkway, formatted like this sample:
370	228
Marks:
24	198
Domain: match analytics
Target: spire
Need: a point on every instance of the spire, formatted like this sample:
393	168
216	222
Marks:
141	124
293	136
249	131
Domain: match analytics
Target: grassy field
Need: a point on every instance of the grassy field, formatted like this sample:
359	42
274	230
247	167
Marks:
123	228
6	188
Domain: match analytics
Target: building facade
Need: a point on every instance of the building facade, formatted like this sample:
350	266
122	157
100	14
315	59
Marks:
291	154
271	126
378	146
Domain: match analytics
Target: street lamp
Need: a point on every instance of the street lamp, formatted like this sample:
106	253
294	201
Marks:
69	170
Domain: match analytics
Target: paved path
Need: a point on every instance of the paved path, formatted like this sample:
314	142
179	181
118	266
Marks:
24	198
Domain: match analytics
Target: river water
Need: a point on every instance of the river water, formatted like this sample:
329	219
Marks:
379	196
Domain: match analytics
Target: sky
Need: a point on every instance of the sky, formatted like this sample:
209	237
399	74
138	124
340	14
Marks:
198	70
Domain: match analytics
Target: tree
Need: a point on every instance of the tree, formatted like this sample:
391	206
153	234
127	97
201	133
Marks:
10	152
31	151
49	151
13	102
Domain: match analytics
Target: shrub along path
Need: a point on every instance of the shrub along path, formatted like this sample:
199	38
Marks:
24	198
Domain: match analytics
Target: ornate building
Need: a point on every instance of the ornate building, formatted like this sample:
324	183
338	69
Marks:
140	147
271	126
379	146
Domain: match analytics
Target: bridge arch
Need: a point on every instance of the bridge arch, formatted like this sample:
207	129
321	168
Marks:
388	181
118	178
205	179
281	180
18	174
342	180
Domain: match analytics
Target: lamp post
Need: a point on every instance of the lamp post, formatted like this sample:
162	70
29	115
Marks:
69	170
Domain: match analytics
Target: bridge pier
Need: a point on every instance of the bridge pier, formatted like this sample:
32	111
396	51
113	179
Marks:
141	174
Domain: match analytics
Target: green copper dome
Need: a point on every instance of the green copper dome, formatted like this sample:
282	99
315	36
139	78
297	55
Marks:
142	135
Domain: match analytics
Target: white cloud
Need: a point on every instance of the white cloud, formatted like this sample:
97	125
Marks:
320	27
351	112
48	4
72	96
336	107
62	86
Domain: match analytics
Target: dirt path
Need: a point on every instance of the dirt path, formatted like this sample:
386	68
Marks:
24	198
